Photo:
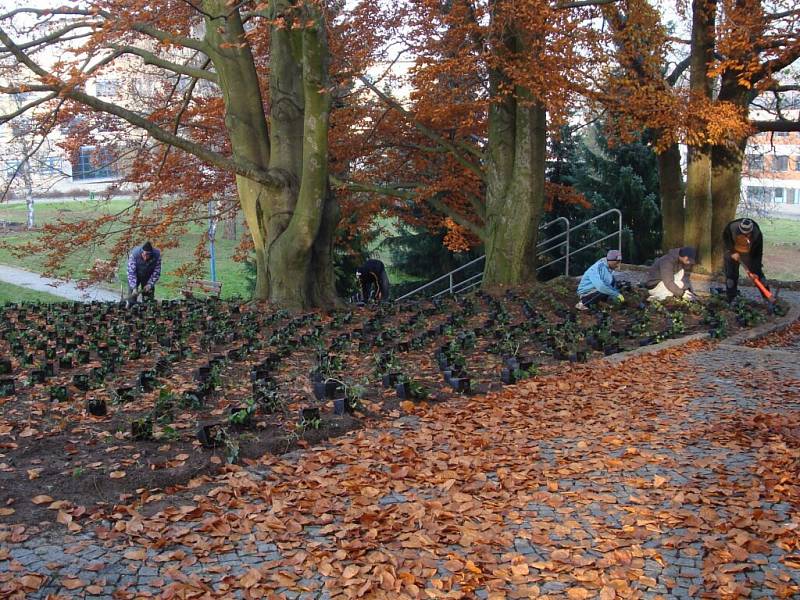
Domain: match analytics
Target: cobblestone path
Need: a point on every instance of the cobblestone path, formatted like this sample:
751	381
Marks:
671	475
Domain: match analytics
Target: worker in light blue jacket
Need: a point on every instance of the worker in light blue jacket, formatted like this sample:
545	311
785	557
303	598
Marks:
598	284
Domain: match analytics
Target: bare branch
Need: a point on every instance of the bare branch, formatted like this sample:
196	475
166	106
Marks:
150	58
26	107
778	125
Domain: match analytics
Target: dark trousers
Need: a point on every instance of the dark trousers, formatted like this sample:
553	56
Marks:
382	284
732	273
593	297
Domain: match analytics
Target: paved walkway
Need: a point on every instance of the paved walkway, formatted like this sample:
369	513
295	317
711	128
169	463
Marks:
671	475
68	290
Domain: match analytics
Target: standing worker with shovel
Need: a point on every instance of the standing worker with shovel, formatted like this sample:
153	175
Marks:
744	245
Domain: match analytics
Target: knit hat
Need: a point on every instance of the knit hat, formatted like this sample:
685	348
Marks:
614	255
688	252
148	247
746	226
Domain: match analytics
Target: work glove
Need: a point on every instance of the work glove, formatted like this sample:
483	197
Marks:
620	298
689	296
147	288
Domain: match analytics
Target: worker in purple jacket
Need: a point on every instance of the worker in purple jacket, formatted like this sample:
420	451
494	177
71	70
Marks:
144	270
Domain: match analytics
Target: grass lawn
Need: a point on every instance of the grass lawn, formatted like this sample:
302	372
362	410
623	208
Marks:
15	293
230	273
781	248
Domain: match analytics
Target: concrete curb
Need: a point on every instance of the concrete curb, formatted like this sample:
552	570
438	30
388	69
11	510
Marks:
735	340
666	344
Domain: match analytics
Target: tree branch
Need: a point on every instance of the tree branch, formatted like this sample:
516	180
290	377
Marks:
26	107
150	58
582	3
170	38
679	69
441	206
427	131
778	125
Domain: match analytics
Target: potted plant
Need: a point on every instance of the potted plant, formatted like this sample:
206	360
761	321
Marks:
7	386
96	407
59	393
142	429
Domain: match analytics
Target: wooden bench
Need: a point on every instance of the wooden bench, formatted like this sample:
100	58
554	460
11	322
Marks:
209	288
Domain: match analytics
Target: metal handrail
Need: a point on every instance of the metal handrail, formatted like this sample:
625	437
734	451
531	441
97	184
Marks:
470	282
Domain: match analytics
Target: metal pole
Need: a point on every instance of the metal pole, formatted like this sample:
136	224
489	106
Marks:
566	260
451	283
212	234
619	241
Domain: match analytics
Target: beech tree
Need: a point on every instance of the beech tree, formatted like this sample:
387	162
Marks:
243	96
736	51
467	149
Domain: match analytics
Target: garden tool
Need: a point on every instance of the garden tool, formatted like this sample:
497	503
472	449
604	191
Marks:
769	296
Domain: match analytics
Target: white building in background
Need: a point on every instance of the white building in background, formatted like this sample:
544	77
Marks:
771	170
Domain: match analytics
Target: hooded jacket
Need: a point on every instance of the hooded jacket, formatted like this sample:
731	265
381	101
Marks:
664	269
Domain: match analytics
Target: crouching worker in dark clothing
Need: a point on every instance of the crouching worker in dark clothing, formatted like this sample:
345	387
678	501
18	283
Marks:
372	276
669	275
144	271
744	245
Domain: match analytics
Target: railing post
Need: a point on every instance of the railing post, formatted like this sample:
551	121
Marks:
619	241
566	258
451	283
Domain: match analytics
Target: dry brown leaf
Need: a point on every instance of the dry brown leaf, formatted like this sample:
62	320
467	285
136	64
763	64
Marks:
249	579
4	512
135	554
117	474
72	584
349	572
41	499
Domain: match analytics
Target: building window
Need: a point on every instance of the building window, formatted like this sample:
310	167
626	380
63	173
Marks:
93	163
106	87
755	162
779	196
797	163
757	193
52	165
790	195
781	134
780	163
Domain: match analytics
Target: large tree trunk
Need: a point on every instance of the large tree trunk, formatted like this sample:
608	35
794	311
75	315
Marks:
292	223
698	172
515	194
671	191
726	185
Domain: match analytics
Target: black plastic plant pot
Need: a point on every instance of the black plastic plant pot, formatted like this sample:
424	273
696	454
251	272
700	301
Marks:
59	393
163	366
560	355
403	391
49	369
461	385
5	366
339	406
512	362
309	413
37	376
525	364
192	397
390	379
81	381
83	356
610	349
402	347
579	356
259	374
96	407
147	381
328	389
646	341
7	386
65	362
125	394
142	429
507	376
